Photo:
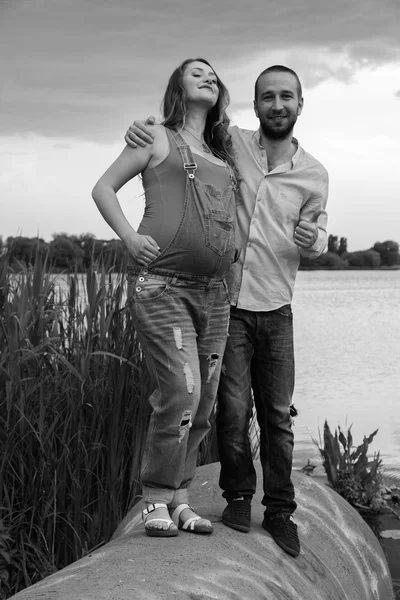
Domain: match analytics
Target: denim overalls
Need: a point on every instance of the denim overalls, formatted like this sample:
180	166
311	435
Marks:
181	320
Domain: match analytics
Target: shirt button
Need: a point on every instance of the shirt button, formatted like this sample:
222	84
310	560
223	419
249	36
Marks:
141	279
246	268
138	289
249	244
145	272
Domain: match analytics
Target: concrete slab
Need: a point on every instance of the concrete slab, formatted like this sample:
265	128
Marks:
341	559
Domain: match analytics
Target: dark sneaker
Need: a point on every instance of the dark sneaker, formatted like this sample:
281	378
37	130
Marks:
284	531
238	514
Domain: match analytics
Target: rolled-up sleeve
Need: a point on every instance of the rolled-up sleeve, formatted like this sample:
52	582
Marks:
317	202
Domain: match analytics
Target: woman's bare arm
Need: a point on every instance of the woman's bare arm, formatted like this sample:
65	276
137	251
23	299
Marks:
127	166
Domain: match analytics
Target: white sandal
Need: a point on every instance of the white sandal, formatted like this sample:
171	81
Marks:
170	531
194	524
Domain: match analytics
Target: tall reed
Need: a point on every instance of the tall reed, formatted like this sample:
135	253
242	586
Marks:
72	417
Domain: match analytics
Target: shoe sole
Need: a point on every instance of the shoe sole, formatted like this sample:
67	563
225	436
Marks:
287	549
242	528
161	533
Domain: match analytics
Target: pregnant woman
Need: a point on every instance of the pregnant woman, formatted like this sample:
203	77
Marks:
179	255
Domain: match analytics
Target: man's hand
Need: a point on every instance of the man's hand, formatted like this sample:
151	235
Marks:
142	247
138	134
306	232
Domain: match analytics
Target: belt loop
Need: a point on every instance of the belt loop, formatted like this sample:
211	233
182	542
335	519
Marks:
174	279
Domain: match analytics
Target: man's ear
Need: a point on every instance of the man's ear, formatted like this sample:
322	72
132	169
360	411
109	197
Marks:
255	108
300	106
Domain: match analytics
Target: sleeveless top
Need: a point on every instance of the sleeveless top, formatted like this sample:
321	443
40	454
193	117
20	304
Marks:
190	212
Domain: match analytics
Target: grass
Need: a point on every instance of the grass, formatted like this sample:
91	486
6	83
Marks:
73	418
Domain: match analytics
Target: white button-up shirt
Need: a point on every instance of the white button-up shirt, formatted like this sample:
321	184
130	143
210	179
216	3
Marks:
270	207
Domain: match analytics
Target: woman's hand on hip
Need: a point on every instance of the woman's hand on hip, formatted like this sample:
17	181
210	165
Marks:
143	248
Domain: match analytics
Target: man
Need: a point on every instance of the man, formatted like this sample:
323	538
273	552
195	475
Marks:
281	216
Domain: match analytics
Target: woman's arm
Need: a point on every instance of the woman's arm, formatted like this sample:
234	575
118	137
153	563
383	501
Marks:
129	164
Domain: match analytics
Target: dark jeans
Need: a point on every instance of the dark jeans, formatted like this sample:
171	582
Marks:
259	356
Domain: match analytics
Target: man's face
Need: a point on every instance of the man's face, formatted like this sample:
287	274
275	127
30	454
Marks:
277	104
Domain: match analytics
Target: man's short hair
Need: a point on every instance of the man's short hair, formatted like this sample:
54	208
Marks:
280	68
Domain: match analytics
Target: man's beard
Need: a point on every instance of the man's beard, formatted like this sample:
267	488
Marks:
278	133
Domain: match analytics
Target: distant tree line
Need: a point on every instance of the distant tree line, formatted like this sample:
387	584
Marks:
381	255
65	252
80	252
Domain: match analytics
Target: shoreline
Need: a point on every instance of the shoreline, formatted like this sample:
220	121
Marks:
394	268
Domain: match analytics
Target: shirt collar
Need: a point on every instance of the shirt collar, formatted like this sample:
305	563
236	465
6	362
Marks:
296	155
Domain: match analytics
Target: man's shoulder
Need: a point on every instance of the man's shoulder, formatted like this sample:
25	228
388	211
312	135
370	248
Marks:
307	159
239	132
242	140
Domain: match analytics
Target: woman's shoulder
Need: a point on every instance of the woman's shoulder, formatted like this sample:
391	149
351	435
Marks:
160	135
160	146
159	131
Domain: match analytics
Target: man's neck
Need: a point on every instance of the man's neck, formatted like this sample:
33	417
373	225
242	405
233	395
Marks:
279	152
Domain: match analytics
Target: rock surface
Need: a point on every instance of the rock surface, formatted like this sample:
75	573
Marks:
340	559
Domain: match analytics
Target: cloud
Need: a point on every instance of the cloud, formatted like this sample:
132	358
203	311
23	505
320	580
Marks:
82	69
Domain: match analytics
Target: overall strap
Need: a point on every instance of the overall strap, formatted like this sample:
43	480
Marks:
232	176
187	157
189	164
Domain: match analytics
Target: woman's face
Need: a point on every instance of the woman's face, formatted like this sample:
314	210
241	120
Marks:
200	83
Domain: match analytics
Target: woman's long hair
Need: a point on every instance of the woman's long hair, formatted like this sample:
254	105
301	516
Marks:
216	133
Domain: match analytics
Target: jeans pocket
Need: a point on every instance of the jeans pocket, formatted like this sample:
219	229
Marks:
146	288
285	310
220	231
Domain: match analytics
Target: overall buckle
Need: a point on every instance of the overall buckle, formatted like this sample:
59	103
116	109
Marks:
190	169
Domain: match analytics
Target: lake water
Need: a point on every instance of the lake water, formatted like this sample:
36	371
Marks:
347	346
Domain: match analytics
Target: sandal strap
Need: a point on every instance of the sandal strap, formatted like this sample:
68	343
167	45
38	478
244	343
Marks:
176	513
152	507
159	520
189	524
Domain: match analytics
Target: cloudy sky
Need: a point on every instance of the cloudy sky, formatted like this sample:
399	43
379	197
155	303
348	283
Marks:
76	73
